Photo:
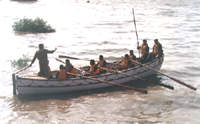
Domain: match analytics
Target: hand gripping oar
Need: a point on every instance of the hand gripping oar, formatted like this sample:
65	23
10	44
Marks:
69	57
107	82
111	83
178	81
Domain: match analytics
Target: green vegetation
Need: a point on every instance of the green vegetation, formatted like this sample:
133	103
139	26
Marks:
32	26
21	62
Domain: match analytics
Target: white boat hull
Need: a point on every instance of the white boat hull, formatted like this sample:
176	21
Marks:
28	86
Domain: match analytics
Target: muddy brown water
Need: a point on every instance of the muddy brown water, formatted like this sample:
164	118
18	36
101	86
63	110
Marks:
87	29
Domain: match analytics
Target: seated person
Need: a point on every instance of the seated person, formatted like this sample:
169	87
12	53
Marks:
125	63
93	68
132	57
101	63
61	74
70	68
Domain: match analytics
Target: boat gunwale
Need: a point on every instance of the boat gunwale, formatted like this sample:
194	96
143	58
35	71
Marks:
93	76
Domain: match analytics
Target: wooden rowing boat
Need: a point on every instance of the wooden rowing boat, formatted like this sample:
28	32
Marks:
33	85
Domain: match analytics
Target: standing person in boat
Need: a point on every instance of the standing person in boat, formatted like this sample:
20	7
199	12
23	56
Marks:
157	49
42	57
93	68
126	62
144	49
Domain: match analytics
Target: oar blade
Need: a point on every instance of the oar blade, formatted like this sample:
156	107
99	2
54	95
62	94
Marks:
180	82
69	57
60	60
62	56
167	86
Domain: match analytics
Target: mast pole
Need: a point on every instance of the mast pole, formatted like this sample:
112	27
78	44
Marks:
136	31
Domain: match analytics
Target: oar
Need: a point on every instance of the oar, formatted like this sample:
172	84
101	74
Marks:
137	77
62	56
178	81
109	82
22	69
69	57
166	86
60	60
111	70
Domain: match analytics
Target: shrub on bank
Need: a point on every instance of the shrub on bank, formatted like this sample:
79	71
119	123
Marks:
21	62
37	25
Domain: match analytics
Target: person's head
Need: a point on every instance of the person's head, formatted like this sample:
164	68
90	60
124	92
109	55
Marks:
67	61
41	46
62	67
92	62
126	56
131	52
156	41
144	41
101	57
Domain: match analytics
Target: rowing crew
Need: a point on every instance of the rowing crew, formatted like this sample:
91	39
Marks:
101	66
94	69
